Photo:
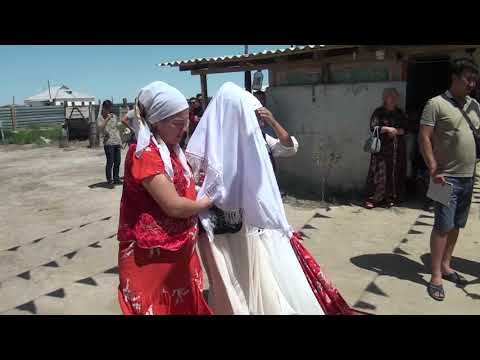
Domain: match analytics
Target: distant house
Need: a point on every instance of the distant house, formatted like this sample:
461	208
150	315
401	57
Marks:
60	96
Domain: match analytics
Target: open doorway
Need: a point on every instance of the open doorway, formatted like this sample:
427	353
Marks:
427	78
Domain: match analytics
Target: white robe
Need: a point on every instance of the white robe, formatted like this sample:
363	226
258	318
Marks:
254	271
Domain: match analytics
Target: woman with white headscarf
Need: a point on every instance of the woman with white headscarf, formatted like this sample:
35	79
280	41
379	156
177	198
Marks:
254	261
159	270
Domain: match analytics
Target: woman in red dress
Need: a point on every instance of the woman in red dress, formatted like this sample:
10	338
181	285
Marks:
159	269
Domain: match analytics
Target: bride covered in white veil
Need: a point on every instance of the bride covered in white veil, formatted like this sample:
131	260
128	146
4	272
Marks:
254	261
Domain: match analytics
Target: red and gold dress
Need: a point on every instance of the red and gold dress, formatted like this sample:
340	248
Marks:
159	269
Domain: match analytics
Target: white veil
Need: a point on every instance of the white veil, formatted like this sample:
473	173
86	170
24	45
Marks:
254	272
229	147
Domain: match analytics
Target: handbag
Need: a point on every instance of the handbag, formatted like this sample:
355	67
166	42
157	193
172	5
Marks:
373	143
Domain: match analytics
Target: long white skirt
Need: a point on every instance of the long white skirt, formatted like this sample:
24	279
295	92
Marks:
255	272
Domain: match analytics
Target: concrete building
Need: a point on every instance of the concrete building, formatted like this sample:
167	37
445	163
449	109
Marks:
60	96
325	94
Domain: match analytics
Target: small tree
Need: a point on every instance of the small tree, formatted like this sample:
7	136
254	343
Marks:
325	158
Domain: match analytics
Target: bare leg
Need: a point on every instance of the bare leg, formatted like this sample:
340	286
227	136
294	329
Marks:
447	256
438	242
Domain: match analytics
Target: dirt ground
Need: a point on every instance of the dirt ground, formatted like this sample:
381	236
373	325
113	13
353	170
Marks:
58	247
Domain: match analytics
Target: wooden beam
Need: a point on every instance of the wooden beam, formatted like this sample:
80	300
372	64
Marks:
363	58
432	49
197	68
191	66
203	83
318	55
338	65
287	65
282	65
222	70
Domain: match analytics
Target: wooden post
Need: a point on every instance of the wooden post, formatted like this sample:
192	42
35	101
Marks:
66	123
1	130
248	81
203	84
13	115
326	73
404	76
92	136
49	92
272	81
248	76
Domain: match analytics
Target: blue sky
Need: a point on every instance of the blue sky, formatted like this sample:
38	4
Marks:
106	71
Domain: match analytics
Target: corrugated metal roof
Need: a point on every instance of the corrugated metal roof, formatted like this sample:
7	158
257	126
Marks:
290	50
59	93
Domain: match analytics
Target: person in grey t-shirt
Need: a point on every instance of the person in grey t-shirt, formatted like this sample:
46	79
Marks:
110	125
448	147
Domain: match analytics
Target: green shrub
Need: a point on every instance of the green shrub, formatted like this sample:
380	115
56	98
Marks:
33	135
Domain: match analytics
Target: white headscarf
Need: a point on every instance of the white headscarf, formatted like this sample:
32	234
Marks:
229	147
160	101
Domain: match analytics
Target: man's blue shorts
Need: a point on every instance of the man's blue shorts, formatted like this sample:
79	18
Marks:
455	215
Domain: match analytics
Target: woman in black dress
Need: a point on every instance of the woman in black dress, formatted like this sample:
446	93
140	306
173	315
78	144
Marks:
388	168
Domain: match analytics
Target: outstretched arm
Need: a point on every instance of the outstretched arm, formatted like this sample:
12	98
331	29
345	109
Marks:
267	117
164	193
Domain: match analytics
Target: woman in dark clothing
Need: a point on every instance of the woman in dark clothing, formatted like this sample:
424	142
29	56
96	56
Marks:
388	168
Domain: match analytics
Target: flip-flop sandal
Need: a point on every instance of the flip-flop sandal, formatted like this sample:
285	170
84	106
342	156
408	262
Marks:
436	292
369	205
456	278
